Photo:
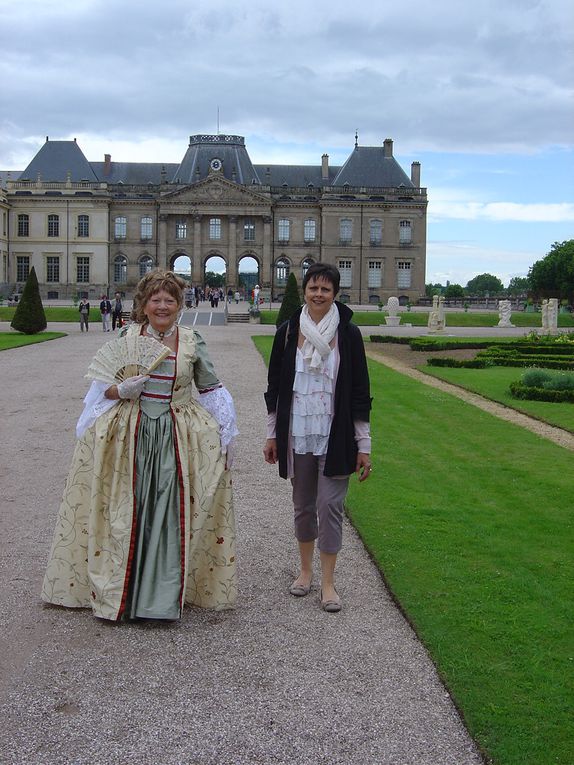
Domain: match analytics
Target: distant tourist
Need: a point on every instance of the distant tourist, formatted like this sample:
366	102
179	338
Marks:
84	309
117	311
106	313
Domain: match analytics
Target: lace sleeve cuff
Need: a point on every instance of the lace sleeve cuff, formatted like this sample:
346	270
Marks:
95	404
219	404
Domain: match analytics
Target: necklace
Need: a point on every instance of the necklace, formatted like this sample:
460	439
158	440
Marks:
160	335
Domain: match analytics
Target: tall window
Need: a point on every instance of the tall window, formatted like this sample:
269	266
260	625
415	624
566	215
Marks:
22	267
281	271
4	224
215	228
345	231
146	265
375	233
403	274
374	273
53	268
83	225
82	269
146	230
181	229
249	230
53	225
305	265
120	269
23	225
120	227
346	271
405	232
309	230
283	228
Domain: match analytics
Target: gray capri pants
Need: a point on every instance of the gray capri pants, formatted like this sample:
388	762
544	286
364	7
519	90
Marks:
318	501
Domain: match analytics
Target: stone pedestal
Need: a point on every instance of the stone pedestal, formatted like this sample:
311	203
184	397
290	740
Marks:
392	321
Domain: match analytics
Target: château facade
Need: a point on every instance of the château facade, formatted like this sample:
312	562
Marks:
96	227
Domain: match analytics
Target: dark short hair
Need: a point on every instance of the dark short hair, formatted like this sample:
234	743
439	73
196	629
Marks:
325	271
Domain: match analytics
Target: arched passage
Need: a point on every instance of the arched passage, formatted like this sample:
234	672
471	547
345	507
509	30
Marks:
214	271
181	264
249	275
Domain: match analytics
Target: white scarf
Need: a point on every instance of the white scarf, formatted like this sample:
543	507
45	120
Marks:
318	337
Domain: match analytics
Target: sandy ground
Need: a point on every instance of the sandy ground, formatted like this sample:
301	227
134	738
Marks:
274	681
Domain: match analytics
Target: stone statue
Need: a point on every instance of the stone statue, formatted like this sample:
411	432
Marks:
552	315
544	309
437	319
504	312
392	319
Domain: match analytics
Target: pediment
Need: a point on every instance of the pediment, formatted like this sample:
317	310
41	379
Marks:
216	189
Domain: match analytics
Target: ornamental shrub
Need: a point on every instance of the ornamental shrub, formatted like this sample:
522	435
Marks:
535	378
291	301
29	316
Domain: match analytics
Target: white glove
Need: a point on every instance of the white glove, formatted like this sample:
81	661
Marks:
132	387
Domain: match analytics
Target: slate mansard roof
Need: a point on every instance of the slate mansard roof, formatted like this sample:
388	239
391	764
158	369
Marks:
368	166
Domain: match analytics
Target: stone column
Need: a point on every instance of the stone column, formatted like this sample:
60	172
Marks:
231	275
266	266
162	242
197	276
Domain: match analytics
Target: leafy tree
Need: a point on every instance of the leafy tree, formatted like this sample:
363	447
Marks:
214	280
433	289
518	285
29	316
553	276
454	291
291	301
483	284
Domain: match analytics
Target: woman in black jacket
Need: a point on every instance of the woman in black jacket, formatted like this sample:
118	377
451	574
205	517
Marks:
318	405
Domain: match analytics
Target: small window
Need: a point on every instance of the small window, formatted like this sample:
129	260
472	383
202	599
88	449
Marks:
120	269
82	269
83	225
283	230
249	230
22	268
53	225
215	228
309	230
146	265
146	231
120	227
346	271
281	272
53	295
403	275
23	225
53	268
374	274
345	231
376	233
405	232
181	229
305	265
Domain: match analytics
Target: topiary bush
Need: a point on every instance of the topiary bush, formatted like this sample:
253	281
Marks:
535	378
291	301
29	316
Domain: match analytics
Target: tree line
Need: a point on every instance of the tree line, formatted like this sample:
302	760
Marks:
552	276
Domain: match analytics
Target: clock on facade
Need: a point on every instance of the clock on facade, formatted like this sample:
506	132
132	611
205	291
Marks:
215	164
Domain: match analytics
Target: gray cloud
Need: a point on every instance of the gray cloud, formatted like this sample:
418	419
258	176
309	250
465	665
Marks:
442	76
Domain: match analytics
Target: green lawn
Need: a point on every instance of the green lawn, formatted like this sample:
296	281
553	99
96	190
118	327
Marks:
17	339
493	383
55	313
462	319
469	519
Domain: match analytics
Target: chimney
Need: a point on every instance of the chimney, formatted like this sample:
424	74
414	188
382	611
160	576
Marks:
107	164
416	174
388	147
325	167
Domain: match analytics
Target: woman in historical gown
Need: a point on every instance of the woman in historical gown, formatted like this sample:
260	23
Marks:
146	522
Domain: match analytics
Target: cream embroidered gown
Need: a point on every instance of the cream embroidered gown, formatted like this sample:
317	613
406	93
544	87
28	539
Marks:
146	522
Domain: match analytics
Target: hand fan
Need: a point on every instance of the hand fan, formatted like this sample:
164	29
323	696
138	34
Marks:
127	356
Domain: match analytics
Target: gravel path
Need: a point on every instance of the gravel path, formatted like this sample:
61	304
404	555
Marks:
404	360
276	681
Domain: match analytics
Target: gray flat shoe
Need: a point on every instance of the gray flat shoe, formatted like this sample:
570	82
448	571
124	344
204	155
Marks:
299	591
330	606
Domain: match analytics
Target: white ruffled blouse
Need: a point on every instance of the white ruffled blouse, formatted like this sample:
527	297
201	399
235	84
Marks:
312	408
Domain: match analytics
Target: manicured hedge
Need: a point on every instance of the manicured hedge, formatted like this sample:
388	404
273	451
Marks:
519	390
390	339
460	363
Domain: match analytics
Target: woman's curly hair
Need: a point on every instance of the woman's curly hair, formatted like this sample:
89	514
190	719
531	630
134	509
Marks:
149	285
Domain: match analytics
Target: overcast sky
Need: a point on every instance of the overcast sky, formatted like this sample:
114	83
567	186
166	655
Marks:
482	94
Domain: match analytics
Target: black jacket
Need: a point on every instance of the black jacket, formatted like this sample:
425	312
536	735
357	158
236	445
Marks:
352	393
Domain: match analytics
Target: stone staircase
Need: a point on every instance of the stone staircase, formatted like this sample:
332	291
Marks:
238	318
